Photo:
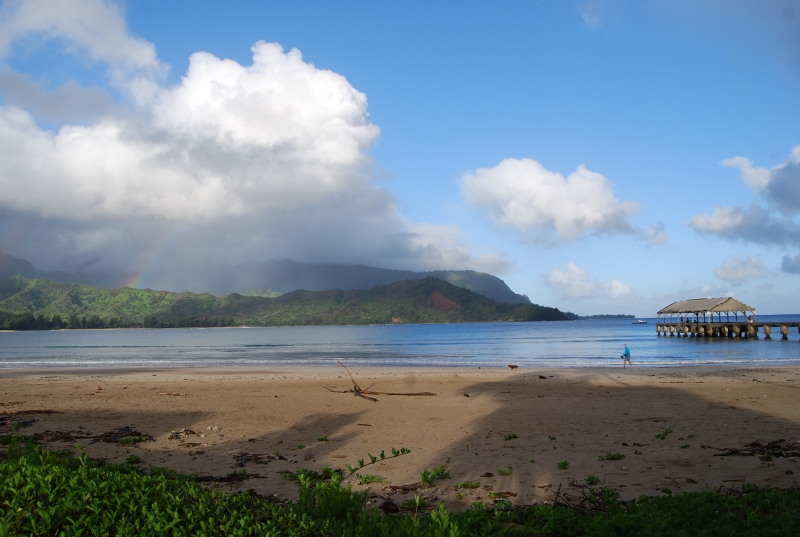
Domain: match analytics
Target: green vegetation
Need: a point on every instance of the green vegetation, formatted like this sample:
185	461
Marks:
266	293
500	471
663	434
440	472
612	456
592	480
469	484
58	493
369	478
44	305
563	465
511	436
323	438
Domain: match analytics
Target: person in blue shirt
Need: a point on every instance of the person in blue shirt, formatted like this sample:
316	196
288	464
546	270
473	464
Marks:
626	357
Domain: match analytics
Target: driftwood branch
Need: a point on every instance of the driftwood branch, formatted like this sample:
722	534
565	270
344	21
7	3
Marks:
364	394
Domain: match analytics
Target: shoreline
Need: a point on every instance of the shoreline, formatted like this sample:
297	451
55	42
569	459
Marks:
243	416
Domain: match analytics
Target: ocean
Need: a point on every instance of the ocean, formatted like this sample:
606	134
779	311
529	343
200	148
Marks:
584	343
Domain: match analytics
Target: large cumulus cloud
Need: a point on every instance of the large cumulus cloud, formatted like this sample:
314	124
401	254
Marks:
233	162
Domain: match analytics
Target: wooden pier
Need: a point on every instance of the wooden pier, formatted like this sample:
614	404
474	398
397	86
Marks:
726	329
702	317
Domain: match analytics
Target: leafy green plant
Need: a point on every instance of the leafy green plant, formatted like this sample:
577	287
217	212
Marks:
531	461
592	480
461	495
369	478
448	460
500	471
440	472
426	477
132	440
637	452
511	436
300	446
551	437
563	465
60	493
469	484
692	436
323	438
413	504
685	446
612	456
134	459
663	434
703	446
373	459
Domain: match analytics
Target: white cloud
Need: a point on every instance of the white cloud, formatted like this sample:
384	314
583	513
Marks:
755	178
655	236
739	270
780	186
721	220
576	283
234	162
524	195
775	223
93	28
228	140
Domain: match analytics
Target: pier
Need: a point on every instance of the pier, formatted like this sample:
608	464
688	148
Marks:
717	317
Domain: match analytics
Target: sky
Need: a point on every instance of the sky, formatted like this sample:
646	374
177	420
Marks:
599	156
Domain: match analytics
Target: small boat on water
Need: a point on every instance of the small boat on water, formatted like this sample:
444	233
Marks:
639	321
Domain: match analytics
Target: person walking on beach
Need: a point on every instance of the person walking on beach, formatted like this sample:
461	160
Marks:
626	357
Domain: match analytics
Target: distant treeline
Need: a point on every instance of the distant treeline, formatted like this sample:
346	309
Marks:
28	321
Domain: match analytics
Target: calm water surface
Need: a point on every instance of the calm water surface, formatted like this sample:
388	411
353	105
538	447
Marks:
566	343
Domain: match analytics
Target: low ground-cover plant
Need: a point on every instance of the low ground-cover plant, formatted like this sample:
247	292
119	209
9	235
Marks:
663	434
511	436
58	493
612	456
366	479
469	484
428	477
592	480
563	465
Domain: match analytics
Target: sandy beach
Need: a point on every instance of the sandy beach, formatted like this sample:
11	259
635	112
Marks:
243	417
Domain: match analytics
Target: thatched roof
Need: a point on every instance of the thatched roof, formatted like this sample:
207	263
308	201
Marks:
704	305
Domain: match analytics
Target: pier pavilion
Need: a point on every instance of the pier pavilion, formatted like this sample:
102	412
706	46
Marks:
703	317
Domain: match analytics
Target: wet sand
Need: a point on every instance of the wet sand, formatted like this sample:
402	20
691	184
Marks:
572	415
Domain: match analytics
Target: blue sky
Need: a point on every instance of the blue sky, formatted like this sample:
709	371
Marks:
575	149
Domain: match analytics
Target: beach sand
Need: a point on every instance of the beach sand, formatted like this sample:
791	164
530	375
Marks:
572	415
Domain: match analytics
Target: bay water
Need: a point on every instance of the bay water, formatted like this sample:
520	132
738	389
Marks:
583	343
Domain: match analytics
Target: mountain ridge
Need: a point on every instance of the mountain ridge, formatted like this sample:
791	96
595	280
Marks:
283	276
428	300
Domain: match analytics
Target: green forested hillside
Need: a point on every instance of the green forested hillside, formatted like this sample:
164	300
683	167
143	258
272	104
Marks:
41	303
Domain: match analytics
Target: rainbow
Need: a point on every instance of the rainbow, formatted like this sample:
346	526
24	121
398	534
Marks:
155	256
